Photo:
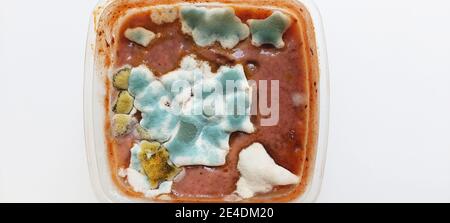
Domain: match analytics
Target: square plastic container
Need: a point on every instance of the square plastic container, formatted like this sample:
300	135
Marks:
94	114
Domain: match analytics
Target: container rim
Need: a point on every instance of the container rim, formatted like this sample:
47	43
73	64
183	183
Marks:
314	186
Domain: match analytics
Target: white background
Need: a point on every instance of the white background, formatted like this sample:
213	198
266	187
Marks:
390	101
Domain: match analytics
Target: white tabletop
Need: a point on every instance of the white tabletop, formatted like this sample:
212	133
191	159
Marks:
390	110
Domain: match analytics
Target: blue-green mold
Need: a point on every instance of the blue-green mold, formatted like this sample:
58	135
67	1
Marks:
182	111
208	25
140	36
269	30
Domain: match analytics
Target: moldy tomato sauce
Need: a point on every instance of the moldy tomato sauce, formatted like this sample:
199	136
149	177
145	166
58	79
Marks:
285	142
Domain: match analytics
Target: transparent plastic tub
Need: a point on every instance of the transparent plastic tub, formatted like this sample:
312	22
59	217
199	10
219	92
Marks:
94	114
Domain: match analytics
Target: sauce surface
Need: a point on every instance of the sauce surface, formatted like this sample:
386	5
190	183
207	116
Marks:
285	142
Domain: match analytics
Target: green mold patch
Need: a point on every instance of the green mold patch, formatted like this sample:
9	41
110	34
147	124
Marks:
193	122
140	36
208	25
124	103
269	30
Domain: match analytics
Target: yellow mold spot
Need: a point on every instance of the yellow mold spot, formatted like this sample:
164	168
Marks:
155	163
149	148
120	79
122	124
124	103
